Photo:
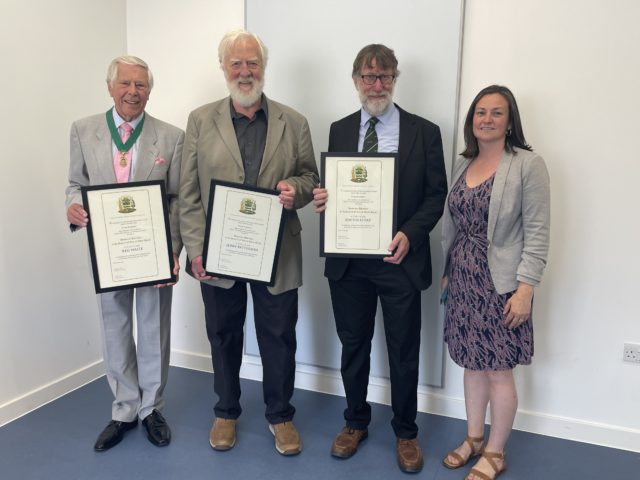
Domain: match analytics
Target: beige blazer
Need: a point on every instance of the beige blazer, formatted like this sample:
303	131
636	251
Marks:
211	152
519	219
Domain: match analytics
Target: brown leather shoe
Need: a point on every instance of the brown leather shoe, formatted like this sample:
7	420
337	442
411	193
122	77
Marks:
347	441
223	434
287	438
409	455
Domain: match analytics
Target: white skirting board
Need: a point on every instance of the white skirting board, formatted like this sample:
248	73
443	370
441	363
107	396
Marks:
324	380
328	381
40	396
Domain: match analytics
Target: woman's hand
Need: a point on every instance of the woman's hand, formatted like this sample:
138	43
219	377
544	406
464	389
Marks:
518	308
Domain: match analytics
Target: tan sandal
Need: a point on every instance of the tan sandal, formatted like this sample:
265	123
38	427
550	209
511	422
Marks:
490	457
461	461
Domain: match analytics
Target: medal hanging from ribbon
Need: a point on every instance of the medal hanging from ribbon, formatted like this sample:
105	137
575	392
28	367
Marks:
123	148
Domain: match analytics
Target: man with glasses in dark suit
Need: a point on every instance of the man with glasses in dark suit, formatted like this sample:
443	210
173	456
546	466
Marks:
398	279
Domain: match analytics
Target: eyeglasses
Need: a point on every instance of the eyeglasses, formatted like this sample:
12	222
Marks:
371	79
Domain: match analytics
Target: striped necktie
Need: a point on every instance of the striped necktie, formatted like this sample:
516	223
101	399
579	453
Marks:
370	144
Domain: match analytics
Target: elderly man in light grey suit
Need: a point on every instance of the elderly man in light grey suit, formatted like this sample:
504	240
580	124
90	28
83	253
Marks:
137	376
250	139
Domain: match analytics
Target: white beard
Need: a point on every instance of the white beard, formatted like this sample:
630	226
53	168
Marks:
243	98
376	107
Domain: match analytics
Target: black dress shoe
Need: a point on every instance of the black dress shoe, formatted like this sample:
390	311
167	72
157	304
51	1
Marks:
112	434
158	431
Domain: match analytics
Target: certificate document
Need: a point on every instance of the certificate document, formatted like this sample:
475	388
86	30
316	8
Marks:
129	237
359	220
243	233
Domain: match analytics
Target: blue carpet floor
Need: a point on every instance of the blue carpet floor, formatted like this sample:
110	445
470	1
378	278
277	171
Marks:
56	442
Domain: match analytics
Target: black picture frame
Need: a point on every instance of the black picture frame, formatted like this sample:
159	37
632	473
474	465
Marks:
129	235
237	245
359	221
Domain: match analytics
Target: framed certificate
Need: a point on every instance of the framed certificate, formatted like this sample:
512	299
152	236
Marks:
129	235
243	233
360	215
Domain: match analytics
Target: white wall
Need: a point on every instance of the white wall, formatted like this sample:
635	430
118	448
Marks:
53	72
573	66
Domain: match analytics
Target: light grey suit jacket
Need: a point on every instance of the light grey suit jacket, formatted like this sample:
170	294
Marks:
211	152
158	158
519	220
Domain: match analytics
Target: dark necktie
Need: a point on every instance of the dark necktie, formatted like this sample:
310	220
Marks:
371	137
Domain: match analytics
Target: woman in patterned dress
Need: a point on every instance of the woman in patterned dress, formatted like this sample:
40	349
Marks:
495	239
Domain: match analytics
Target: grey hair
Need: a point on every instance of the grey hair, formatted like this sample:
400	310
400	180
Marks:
231	38
112	71
384	56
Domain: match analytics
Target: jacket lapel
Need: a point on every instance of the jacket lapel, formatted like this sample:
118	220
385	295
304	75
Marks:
497	191
459	169
147	150
275	130
222	122
103	149
352	134
408	133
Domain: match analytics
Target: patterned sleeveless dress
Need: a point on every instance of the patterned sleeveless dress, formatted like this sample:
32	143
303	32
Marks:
474	332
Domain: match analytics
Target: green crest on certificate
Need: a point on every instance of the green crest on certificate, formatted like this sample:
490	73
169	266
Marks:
248	206
359	173
126	204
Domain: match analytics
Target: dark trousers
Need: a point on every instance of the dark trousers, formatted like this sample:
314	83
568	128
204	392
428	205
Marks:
354	298
275	319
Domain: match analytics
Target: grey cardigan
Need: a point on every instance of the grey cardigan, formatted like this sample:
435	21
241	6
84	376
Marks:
519	220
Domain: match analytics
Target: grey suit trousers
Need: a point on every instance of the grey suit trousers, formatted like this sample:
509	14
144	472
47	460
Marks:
137	376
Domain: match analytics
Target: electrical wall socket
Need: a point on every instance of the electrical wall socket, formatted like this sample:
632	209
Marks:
631	352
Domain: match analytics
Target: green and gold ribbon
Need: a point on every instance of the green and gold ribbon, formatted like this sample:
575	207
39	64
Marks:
115	136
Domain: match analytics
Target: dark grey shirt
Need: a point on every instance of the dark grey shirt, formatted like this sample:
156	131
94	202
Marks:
252	137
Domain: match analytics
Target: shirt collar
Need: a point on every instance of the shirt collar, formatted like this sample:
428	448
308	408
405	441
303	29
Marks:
385	118
118	120
263	107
